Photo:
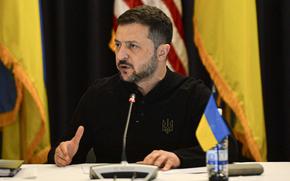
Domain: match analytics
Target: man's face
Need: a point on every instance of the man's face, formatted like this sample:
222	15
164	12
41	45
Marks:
136	57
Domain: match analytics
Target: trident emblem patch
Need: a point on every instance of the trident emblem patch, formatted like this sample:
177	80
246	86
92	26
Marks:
167	126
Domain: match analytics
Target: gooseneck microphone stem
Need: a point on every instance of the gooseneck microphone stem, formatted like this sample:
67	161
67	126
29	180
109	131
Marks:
124	156
124	169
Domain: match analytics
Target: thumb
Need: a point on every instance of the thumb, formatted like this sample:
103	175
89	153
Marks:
76	139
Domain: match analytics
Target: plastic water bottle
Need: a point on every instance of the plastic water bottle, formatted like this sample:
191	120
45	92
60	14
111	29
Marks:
217	161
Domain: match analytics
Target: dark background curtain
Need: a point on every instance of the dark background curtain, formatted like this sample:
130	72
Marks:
76	37
274	36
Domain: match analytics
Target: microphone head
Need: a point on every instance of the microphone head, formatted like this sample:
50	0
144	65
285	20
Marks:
132	98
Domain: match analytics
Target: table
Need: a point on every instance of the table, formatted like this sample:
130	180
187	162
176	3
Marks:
48	172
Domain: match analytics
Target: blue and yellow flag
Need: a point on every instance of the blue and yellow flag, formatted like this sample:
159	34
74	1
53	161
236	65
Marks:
23	112
212	129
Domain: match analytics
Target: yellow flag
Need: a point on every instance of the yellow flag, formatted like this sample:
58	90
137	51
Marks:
227	39
25	129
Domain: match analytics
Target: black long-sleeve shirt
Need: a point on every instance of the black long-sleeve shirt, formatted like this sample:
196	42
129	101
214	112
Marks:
166	118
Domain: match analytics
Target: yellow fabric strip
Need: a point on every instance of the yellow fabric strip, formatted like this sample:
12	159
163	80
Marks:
227	41
204	135
20	48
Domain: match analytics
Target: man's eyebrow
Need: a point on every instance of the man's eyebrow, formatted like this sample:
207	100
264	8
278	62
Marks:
129	41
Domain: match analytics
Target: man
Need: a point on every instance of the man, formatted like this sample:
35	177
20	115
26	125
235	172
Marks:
166	113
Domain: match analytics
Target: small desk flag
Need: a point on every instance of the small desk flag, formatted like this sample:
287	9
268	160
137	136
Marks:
211	129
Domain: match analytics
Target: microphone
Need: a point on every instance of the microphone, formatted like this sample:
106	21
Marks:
124	156
124	169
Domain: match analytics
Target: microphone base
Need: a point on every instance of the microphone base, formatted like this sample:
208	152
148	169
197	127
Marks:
123	170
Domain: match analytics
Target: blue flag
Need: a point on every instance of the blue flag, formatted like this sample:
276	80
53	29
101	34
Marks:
212	129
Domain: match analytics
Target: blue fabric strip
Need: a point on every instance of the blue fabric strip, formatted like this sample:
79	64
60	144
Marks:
7	89
215	121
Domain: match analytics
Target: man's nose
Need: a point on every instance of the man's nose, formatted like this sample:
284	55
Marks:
122	53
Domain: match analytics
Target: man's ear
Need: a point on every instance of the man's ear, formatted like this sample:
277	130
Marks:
162	51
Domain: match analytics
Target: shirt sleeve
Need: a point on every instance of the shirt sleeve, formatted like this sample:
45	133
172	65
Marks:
79	118
196	157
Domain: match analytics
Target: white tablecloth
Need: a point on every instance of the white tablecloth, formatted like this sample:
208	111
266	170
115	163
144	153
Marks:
273	171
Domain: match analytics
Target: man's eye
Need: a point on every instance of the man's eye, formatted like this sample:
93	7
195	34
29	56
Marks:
117	45
133	46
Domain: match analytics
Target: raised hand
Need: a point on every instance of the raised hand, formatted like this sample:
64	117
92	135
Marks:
66	150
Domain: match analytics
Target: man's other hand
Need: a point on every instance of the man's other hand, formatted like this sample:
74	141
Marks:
66	150
163	159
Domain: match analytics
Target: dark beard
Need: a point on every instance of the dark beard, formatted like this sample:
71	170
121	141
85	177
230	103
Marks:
146	72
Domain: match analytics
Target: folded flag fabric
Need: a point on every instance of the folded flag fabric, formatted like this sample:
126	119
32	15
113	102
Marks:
212	129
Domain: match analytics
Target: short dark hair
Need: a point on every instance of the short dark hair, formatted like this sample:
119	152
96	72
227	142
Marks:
160	26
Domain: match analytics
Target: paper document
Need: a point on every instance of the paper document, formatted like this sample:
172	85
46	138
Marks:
197	170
